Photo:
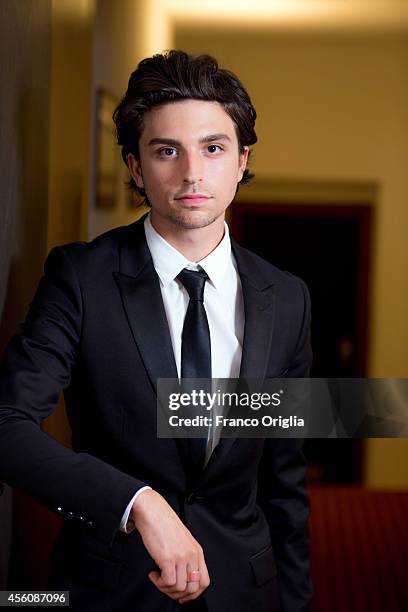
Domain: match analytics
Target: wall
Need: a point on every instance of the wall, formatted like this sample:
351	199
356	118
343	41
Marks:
70	119
119	44
335	108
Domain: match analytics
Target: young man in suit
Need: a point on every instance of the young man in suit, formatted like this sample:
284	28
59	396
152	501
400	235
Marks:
147	525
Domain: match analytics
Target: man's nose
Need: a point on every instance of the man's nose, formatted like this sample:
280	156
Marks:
192	168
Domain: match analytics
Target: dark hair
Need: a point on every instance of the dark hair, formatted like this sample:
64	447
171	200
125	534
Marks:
175	75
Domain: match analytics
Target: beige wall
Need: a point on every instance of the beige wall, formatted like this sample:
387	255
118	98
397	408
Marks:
119	44
70	119
335	108
25	43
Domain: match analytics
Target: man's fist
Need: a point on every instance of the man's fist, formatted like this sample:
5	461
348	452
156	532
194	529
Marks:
173	548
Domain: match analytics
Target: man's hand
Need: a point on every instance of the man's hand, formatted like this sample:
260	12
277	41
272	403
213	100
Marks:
171	545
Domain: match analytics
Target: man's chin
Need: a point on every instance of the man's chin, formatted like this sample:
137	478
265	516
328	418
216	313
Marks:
192	219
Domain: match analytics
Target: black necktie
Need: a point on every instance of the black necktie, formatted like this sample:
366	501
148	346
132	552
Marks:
195	344
195	340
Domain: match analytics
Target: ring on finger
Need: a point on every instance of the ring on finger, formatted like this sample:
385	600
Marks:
194	576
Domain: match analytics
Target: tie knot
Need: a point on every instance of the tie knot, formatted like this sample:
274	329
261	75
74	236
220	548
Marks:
193	282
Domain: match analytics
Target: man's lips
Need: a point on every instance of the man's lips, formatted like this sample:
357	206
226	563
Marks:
195	198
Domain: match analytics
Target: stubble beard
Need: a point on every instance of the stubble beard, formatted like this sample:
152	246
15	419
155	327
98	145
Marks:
187	219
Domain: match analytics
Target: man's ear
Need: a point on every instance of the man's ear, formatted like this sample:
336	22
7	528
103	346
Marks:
243	160
135	170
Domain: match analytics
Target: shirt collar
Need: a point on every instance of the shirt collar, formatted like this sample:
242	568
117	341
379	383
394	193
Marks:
169	262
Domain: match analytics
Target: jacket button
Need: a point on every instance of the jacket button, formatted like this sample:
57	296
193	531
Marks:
90	524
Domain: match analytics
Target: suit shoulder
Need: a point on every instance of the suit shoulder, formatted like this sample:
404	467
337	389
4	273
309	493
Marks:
94	251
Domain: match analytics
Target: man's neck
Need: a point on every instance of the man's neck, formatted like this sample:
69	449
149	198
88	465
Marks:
194	244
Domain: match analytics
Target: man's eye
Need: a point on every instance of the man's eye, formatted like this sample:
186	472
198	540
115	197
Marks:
167	151
213	148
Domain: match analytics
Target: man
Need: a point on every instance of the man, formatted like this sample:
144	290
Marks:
147	527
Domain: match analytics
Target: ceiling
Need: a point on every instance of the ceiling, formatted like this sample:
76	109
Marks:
336	15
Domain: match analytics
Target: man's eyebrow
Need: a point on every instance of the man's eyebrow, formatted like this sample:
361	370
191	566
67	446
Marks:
212	137
177	143
164	141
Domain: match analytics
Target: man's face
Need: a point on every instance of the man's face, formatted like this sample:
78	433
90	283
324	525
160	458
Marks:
189	162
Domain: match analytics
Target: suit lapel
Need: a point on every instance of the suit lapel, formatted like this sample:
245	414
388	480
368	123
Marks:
139	286
259	308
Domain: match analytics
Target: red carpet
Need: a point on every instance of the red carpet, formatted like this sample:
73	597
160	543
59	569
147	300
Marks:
360	549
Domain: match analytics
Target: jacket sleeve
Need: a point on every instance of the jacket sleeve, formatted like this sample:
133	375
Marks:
37	366
282	493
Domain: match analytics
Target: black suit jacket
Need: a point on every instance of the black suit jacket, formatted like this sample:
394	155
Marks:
97	329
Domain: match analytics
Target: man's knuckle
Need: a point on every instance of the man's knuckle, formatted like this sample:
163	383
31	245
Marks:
177	557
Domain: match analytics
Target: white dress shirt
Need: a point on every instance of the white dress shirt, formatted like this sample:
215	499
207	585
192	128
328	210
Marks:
223	304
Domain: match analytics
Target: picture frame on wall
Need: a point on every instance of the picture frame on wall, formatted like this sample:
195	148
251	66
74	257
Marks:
108	158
